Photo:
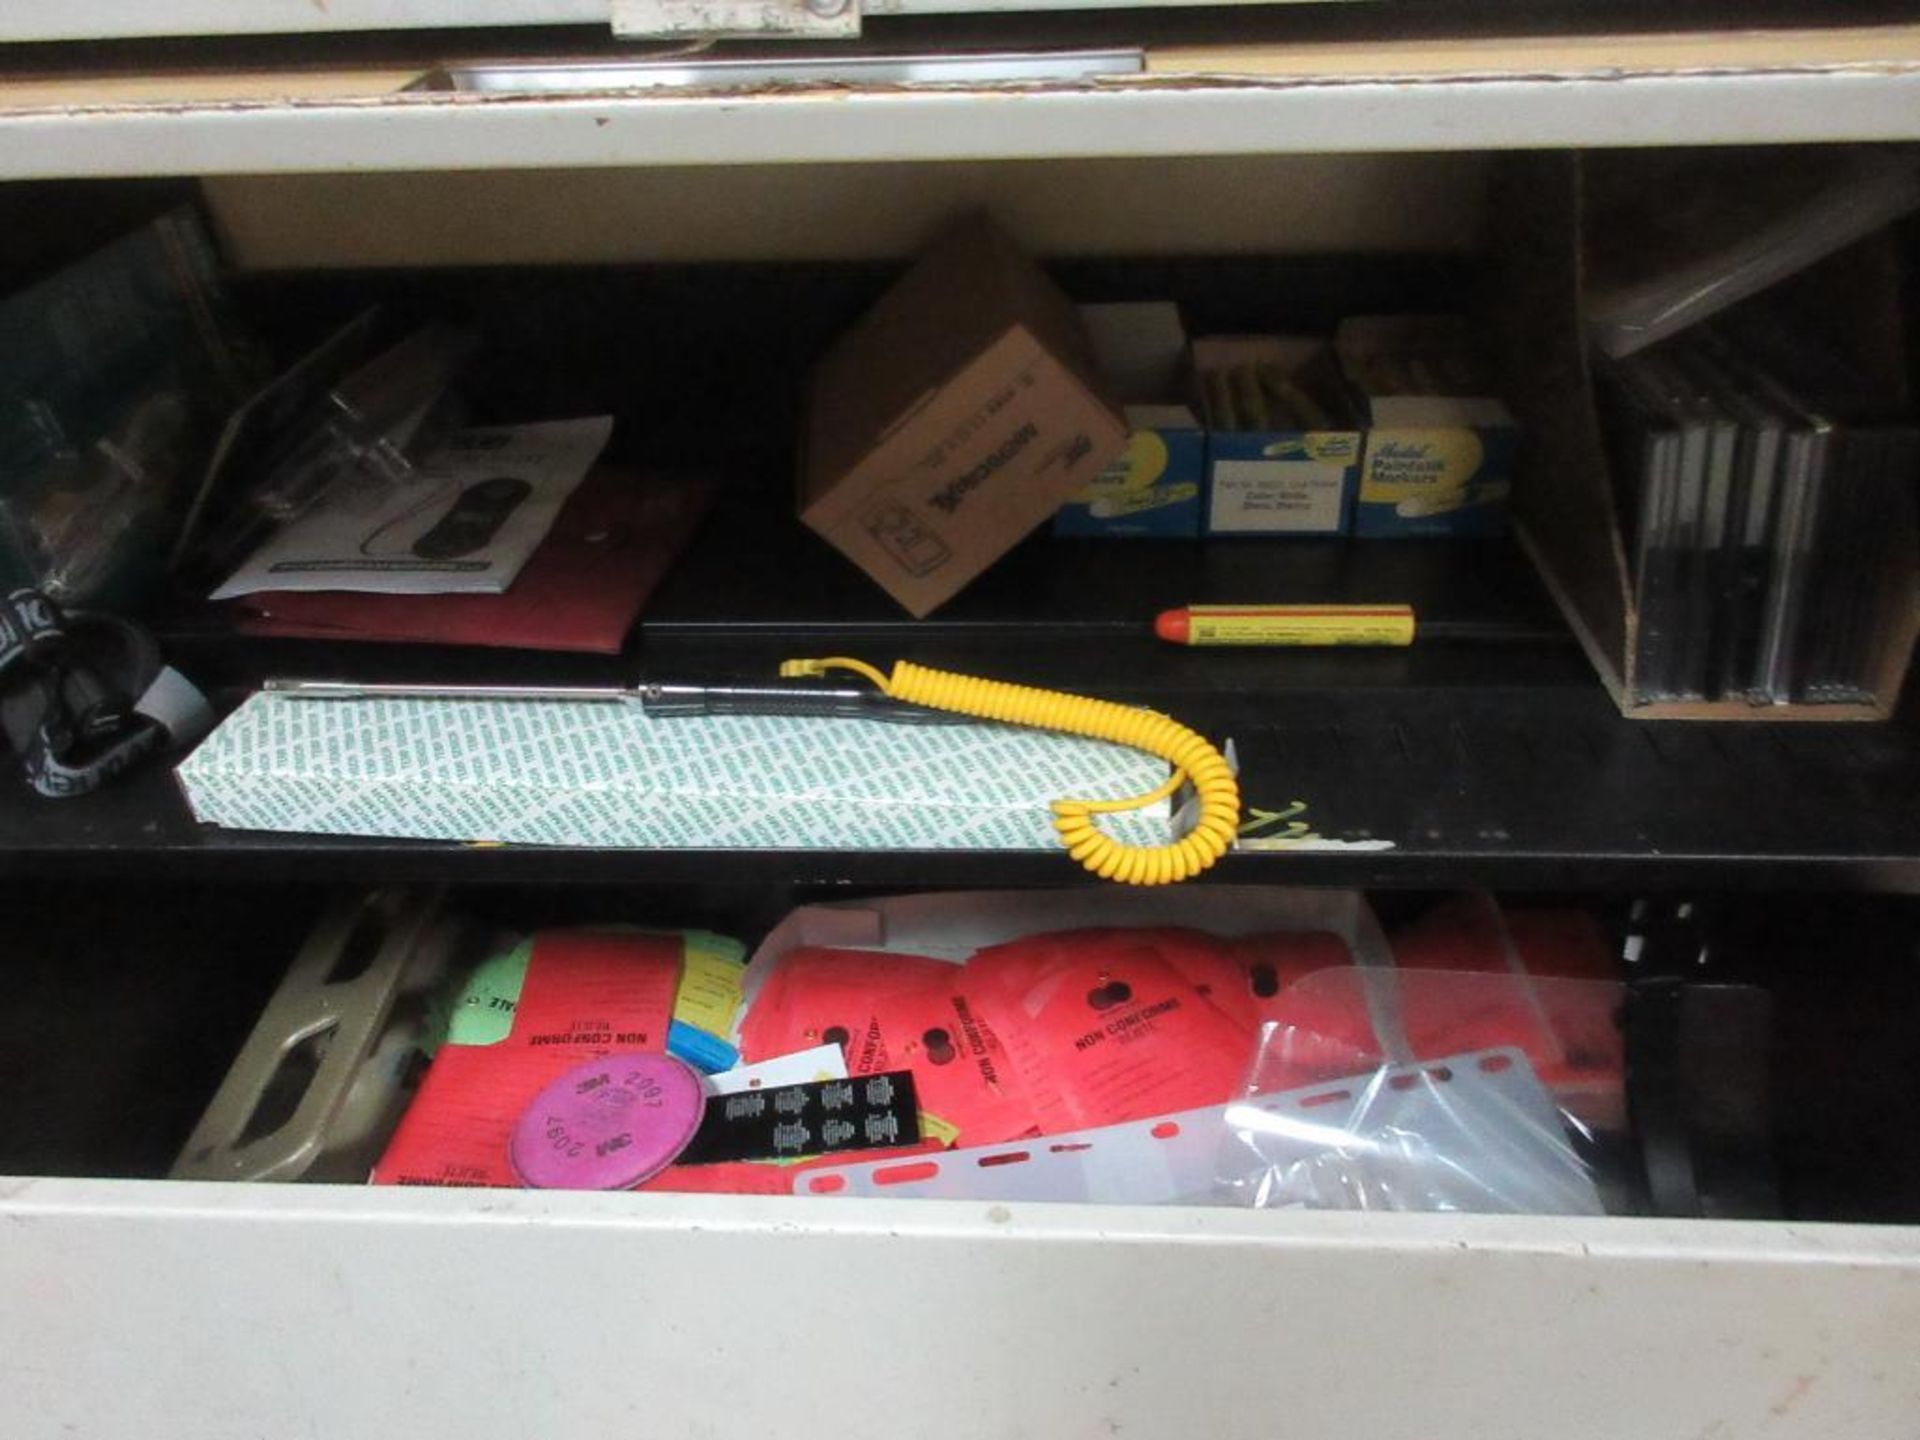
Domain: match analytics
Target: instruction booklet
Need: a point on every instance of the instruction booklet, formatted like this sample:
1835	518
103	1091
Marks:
465	522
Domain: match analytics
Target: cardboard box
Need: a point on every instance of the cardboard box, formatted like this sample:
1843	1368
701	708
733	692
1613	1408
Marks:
1567	515
1440	451
1153	488
566	773
956	416
1289	481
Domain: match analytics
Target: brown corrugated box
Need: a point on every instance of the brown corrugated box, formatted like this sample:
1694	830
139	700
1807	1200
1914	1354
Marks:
956	416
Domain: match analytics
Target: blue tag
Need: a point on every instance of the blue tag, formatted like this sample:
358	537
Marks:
699	1049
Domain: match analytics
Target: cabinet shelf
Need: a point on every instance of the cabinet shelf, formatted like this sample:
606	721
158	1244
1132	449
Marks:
1534	786
1489	757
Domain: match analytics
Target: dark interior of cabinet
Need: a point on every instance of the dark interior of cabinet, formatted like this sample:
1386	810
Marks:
141	948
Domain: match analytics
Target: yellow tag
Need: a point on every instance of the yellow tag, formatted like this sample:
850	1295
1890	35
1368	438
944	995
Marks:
932	1127
710	996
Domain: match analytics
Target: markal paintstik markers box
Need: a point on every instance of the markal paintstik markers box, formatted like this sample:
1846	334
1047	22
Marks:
1283	451
1440	446
1152	489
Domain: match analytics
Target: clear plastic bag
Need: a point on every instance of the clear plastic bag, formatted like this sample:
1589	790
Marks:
1429	1090
99	513
1678	238
112	372
364	439
1475	1133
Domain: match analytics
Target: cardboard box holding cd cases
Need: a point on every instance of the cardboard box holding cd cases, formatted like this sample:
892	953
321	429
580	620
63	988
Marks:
956	416
1568	513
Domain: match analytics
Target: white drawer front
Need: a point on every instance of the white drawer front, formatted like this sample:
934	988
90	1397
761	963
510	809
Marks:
141	1308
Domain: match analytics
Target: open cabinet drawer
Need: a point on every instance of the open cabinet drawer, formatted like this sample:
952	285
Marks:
247	1309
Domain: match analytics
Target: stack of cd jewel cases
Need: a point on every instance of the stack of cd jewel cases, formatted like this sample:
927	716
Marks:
1767	493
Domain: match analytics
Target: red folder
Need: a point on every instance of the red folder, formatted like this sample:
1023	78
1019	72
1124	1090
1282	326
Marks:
611	545
587	993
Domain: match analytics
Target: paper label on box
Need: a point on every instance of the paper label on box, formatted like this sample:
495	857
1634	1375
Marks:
1423	471
1278	495
1435	482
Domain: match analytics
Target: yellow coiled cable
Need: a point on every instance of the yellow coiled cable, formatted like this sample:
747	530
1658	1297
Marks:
1192	757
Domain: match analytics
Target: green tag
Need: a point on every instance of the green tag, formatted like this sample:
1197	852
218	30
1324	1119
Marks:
483	1010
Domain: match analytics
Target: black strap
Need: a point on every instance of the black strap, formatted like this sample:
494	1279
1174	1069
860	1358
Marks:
1656	1094
83	697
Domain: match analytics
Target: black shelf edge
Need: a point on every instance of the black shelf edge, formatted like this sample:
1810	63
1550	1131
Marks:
325	862
1494	760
